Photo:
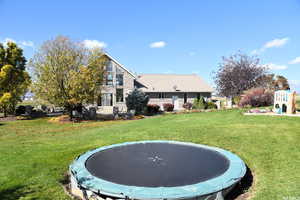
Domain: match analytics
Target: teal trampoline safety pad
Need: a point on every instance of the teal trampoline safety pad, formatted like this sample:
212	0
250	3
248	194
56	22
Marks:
87	181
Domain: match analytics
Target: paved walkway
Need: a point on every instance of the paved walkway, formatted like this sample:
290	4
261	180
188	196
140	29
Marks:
274	114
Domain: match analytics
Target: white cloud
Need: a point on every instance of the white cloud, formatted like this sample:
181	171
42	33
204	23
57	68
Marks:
295	61
22	44
6	40
279	42
27	43
91	44
273	66
159	44
276	43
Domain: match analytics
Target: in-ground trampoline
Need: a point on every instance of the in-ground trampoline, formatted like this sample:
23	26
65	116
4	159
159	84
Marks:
156	170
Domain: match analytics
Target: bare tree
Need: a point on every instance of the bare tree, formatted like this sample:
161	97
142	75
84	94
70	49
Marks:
237	74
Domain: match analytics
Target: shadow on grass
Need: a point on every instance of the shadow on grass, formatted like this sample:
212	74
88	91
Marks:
14	193
240	191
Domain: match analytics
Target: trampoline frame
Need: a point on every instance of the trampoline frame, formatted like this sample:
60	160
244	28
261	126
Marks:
86	181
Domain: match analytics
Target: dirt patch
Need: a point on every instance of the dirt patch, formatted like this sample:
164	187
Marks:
65	182
8	118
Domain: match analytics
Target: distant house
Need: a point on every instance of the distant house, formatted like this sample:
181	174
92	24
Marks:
176	89
161	88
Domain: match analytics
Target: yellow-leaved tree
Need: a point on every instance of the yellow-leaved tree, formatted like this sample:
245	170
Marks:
67	74
14	80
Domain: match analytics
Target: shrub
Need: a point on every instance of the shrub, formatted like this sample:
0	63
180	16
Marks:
20	110
199	103
152	108
44	108
236	100
168	107
211	105
187	105
137	100
257	97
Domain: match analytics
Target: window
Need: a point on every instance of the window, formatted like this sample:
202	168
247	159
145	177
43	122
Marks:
185	97
109	66
105	99
119	80
120	95
161	95
109	78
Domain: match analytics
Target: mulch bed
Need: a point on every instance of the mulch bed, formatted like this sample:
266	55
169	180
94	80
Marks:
8	118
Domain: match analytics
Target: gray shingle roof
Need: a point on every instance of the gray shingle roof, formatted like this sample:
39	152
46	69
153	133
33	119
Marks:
173	83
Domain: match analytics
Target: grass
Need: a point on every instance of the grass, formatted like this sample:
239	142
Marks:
35	154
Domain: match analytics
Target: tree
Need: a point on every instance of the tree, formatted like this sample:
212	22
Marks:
273	83
237	74
281	83
137	100
67	74
14	80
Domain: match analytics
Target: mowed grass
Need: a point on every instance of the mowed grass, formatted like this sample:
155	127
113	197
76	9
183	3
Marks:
35	154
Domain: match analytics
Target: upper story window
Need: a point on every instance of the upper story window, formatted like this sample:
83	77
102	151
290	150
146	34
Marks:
119	76
109	66
119	79
109	78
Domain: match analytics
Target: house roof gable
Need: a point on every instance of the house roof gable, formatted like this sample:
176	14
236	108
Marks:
122	66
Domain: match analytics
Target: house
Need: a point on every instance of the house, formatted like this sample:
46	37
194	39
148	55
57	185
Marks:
118	83
161	88
176	89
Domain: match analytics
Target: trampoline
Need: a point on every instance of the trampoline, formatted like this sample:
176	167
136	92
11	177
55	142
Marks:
156	170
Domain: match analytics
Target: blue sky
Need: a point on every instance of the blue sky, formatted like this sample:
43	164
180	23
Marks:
168	36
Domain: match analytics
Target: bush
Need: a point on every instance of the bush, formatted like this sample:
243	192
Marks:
20	110
236	100
153	108
137	100
257	97
199	103
187	106
168	107
211	105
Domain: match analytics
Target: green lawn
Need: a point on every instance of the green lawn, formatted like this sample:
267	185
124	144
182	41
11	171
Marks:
35	154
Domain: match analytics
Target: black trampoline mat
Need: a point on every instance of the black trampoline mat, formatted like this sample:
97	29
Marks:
157	164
